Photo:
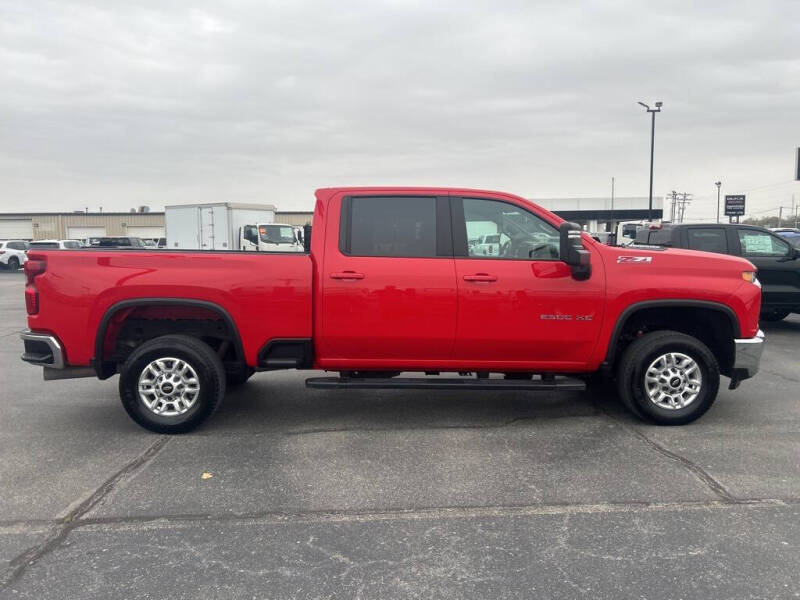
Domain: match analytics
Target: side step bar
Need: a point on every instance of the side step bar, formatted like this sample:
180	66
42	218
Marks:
445	383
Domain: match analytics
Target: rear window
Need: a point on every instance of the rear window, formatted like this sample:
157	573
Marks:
708	240
654	237
44	245
390	226
661	237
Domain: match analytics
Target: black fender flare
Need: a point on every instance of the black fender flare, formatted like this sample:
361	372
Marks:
632	309
106	369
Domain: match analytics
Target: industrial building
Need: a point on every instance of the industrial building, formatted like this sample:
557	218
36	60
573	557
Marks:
297	218
598	214
80	225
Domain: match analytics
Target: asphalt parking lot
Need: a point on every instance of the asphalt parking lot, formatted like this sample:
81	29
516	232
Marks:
396	494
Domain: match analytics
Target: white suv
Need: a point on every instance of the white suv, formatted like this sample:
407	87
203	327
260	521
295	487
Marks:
54	245
12	254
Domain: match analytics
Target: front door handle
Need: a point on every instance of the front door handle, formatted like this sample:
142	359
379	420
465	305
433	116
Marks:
480	277
347	275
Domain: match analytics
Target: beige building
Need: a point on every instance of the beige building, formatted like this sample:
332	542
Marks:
298	218
80	225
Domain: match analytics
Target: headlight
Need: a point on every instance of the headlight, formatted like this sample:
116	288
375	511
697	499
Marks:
750	276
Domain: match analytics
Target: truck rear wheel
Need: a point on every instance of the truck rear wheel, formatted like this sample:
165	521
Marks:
668	378
171	384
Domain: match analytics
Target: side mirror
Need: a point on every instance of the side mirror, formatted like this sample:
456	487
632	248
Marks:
572	251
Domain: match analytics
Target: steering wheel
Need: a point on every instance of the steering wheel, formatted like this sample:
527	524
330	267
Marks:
541	247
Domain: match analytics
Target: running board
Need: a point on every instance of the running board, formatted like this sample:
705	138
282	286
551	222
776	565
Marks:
445	383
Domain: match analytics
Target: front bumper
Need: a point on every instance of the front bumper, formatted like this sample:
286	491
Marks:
748	356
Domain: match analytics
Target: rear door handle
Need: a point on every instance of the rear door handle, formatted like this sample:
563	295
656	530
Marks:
480	277
347	275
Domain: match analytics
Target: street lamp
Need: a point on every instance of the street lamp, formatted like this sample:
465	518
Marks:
653	112
718	184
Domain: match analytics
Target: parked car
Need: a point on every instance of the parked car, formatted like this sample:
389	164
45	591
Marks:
790	235
116	242
776	259
391	285
12	254
488	245
55	244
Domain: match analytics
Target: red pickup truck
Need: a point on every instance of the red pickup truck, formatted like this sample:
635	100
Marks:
396	280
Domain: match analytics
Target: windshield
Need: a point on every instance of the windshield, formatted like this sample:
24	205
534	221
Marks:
44	244
277	234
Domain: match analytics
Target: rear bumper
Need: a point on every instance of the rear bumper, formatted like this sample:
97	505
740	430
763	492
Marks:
748	355
42	349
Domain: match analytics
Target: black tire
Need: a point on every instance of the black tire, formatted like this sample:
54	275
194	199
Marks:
774	315
199	356
235	379
13	263
638	357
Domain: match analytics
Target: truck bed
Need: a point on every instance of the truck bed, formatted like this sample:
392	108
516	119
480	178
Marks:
88	283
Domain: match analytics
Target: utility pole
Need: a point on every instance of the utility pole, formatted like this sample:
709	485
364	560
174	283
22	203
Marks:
780	216
672	208
653	112
719	185
612	205
680	211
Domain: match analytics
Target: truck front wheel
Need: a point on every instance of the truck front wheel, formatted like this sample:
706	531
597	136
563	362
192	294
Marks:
172	383
668	378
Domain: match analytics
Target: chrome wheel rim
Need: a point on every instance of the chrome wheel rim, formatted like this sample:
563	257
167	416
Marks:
169	386
673	381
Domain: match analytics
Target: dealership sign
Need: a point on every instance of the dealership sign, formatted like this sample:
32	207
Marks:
734	206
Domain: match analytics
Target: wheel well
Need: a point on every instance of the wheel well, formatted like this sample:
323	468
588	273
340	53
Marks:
129	324
711	326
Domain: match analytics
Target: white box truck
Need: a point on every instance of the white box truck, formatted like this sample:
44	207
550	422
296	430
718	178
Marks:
228	226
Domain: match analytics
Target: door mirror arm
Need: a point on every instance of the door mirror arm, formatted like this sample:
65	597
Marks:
794	254
572	251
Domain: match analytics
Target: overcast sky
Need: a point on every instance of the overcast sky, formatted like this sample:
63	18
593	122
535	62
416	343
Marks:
109	104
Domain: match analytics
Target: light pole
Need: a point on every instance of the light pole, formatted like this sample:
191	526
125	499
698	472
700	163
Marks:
653	112
718	184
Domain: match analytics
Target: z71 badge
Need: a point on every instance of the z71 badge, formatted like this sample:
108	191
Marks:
634	259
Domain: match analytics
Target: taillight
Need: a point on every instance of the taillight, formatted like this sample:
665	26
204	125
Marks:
33	268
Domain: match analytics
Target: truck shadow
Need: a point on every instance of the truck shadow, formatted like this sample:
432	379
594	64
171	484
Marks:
789	324
281	404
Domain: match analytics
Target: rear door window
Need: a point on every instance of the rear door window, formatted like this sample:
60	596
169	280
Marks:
389	226
708	239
